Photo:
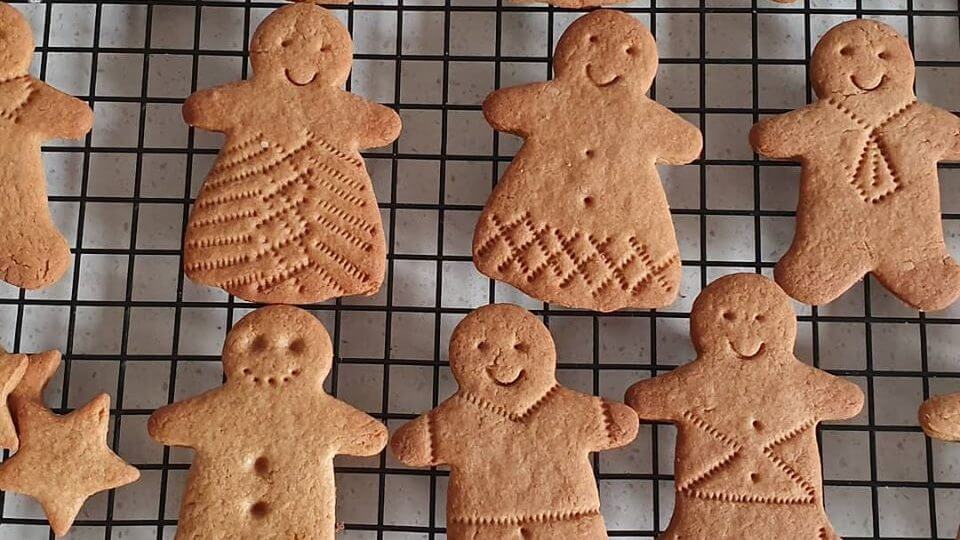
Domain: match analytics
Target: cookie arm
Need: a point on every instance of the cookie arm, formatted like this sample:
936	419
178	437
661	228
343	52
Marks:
659	398
380	126
56	115
514	109
620	425
414	444
836	398
940	417
361	434
787	135
178	423
211	109
679	141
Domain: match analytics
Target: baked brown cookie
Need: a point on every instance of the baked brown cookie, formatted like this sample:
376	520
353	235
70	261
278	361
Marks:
580	217
62	460
12	368
869	194
516	441
940	417
33	253
746	410
266	439
288	214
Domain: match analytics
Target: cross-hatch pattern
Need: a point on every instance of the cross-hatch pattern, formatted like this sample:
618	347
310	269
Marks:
273	215
543	252
874	176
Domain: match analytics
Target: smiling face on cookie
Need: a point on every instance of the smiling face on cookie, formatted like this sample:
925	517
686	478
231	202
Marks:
302	44
278	346
606	49
503	354
16	43
860	57
743	317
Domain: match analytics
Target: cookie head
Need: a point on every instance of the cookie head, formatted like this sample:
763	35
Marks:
277	346
504	354
743	317
859	57
302	44
16	43
606	49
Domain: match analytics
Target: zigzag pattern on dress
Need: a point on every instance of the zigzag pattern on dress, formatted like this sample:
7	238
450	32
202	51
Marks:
271	216
540	251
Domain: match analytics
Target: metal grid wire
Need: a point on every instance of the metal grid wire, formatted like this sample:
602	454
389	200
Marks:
129	323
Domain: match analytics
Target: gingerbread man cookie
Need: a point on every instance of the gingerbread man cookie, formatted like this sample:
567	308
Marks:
33	253
288	213
747	462
516	441
580	217
62	460
869	194
266	439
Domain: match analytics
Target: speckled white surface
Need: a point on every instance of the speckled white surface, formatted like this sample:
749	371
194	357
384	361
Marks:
153	327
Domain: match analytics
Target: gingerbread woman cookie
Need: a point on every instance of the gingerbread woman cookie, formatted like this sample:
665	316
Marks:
266	439
747	462
516	441
288	213
580	217
869	194
33	253
62	460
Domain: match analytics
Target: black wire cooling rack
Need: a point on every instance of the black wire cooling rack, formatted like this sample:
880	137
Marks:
883	479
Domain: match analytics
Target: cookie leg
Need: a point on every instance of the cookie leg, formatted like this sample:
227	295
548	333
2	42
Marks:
818	273
33	256
927	281
585	528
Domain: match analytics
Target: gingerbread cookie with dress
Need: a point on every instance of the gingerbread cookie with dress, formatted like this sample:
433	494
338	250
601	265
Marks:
265	441
33	253
288	214
746	410
869	193
580	216
517	442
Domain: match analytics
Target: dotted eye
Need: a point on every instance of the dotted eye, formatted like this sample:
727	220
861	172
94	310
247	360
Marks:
297	346
846	51
758	317
246	371
483	345
632	51
286	43
728	316
325	48
594	39
522	347
884	55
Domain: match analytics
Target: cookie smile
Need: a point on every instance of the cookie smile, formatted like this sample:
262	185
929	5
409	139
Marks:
504	383
760	349
866	88
599	83
296	82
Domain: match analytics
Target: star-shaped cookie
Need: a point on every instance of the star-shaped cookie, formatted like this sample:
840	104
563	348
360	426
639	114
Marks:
62	460
12	368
